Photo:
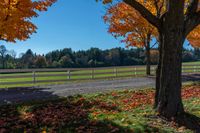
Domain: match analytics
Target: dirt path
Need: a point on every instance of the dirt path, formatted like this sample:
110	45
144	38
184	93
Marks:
100	86
18	95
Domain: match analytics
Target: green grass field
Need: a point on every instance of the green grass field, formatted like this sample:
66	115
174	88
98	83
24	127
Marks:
81	75
124	111
192	63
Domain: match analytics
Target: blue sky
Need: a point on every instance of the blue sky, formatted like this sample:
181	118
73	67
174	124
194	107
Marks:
69	23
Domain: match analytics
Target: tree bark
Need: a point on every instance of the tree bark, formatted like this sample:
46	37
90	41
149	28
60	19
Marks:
169	99
172	39
148	56
158	72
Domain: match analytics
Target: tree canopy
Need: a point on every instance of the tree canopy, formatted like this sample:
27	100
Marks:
125	21
16	15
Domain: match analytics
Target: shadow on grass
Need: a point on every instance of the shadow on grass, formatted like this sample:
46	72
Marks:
189	121
23	94
69	115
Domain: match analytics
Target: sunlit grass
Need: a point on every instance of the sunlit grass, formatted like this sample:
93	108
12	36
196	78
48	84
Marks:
124	111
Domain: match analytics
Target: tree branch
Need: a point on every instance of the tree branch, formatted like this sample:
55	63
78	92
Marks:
192	8
192	22
154	44
144	12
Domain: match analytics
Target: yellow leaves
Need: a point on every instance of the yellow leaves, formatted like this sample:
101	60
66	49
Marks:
15	16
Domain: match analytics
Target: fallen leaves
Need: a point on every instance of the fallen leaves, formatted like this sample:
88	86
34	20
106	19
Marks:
82	114
138	99
191	92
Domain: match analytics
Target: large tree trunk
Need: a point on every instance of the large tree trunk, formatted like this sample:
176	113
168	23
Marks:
158	72
169	99
172	39
148	56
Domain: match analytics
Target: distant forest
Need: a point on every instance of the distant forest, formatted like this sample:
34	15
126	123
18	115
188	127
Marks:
94	57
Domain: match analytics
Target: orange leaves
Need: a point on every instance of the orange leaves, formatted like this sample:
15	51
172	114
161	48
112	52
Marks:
126	22
191	92
138	99
15	16
194	37
43	4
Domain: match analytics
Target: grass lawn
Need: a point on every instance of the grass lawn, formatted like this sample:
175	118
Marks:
114	112
192	63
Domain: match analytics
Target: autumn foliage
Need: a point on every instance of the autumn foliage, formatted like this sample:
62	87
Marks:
194	37
16	15
125	22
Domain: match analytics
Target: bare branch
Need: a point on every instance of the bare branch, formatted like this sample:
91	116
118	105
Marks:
144	12
154	44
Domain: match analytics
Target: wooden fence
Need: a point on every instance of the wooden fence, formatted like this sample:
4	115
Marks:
37	76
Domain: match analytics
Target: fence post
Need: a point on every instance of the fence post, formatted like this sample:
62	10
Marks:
194	68
92	76
0	78
69	74
115	72
155	70
34	77
135	71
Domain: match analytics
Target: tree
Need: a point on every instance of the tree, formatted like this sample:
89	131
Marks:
194	37
178	20
114	57
66	61
11	59
197	53
13	54
136	31
154	56
28	59
16	18
40	62
3	52
188	56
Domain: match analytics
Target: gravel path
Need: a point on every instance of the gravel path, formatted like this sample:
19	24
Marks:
18	95
99	86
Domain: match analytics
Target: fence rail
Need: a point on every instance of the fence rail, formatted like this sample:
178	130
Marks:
36	76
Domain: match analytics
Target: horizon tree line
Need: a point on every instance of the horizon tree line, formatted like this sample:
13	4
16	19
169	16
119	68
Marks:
93	57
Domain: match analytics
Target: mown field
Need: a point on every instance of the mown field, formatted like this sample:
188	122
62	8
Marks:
192	63
81	75
124	111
